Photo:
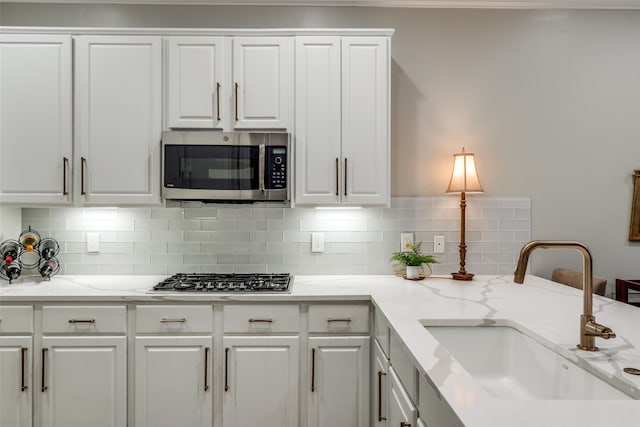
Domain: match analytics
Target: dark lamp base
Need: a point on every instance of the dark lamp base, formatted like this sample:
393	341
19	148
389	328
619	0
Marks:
462	276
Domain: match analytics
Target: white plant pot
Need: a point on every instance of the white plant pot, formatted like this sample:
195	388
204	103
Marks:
413	271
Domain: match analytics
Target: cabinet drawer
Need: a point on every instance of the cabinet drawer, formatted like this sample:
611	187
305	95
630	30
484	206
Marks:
84	319
403	365
16	320
339	318
255	318
382	332
174	318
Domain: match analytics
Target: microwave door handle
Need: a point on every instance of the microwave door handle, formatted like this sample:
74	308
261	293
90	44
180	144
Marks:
261	168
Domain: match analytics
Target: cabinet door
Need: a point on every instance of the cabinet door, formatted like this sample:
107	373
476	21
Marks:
401	408
35	117
15	381
262	68
173	381
260	381
380	390
118	119
339	386
83	381
365	120
317	119
196	82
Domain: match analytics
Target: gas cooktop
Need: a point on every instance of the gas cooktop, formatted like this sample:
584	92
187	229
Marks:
227	283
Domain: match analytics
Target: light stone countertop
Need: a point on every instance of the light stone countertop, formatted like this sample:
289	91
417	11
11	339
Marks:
547	310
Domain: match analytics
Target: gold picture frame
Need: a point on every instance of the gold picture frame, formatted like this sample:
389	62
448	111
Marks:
634	228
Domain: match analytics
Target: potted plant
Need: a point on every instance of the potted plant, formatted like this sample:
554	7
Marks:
413	259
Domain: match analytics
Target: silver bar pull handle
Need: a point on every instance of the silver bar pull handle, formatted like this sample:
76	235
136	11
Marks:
337	177
260	320
236	92
339	319
206	369
43	383
24	385
218	101
83	166
179	320
380	417
345	176
313	370
226	369
82	321
261	167
65	167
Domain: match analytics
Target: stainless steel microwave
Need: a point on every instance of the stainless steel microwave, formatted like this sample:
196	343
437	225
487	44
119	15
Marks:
225	166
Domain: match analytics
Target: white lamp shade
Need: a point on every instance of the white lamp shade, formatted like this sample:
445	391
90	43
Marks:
464	177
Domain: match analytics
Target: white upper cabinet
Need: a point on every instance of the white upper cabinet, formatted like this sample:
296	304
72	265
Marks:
118	119
35	119
318	115
342	120
229	82
365	120
197	85
261	82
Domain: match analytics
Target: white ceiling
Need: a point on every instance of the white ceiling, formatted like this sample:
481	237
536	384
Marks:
480	4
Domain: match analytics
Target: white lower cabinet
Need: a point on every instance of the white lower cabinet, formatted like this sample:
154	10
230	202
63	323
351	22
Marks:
260	381
173	381
173	366
402	411
16	381
83	381
339	389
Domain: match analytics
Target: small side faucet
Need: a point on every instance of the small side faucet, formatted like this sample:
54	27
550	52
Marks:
589	329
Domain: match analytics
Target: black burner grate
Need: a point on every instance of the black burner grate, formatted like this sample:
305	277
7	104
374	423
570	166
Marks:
215	282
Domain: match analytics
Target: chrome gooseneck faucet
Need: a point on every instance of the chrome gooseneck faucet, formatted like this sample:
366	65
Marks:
589	329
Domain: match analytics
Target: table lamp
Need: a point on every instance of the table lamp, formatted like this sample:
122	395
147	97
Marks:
464	179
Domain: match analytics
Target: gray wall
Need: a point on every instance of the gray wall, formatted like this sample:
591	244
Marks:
548	101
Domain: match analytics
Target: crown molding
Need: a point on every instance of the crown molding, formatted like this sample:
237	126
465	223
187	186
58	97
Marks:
466	4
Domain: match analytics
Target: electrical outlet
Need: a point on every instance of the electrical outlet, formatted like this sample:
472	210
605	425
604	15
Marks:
317	242
93	242
438	244
406	242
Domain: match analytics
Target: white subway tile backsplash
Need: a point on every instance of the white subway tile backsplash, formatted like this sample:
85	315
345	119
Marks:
150	269
184	224
203	259
217	225
266	213
116	248
239	238
116	269
132	236
184	247
147	247
250	225
151	224
168	236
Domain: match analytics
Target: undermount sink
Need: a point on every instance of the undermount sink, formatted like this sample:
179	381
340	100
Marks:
512	365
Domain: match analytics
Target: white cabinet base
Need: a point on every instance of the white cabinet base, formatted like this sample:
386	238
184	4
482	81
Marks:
260	381
84	381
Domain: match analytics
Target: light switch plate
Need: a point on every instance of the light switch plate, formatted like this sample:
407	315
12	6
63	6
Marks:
438	244
317	242
406	242
93	242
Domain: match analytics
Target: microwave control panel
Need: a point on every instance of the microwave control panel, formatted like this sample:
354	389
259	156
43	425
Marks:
276	167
